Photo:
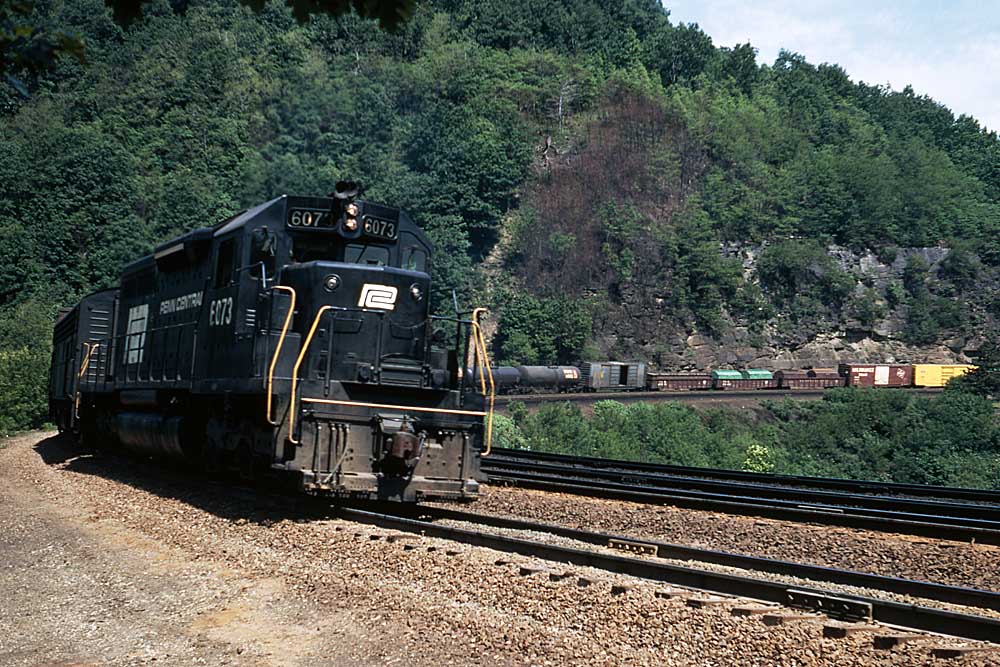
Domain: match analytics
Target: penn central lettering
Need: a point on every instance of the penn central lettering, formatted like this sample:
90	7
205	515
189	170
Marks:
179	303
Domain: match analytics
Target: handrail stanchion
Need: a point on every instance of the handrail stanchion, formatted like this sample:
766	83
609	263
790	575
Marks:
484	372
277	350
89	352
295	372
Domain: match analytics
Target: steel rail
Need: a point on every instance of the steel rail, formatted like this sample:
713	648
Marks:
967	626
963	530
909	516
685	395
936	508
960	595
832	483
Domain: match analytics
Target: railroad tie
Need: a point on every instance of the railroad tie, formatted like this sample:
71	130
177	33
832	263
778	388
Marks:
673	593
952	652
751	611
783	618
705	603
842	631
398	537
886	642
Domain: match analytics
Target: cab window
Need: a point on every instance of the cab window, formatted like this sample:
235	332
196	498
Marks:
225	262
372	255
415	259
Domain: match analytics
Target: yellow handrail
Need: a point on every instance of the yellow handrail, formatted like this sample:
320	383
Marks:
89	352
484	372
295	373
277	349
482	358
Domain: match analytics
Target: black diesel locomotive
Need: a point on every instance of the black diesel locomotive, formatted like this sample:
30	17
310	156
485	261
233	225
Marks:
293	340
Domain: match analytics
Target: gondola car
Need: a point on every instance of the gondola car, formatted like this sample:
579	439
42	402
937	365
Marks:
808	379
293	342
677	381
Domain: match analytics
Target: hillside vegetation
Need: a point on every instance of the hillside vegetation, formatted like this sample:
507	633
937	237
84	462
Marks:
884	435
595	155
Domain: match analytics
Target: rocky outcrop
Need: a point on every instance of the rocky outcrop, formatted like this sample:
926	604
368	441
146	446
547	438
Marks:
638	328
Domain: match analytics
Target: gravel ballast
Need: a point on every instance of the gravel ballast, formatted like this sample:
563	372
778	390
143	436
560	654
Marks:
110	562
942	561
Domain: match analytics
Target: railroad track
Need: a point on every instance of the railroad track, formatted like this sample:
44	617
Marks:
841	606
794	481
940	519
708	396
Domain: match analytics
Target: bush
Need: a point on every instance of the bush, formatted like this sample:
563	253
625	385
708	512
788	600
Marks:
800	270
537	330
25	355
507	434
23	393
877	434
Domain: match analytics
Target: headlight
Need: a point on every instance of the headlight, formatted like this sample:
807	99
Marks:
351	224
331	282
416	292
352	210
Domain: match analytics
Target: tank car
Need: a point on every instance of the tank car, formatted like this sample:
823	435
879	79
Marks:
549	378
293	341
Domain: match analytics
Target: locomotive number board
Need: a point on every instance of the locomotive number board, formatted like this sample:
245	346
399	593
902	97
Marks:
379	228
309	218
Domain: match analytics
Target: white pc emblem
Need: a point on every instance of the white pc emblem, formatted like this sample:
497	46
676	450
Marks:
378	296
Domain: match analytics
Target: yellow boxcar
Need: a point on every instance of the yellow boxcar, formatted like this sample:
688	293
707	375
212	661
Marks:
937	375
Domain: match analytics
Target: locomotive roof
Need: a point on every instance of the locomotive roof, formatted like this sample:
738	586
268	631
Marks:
106	293
249	215
244	217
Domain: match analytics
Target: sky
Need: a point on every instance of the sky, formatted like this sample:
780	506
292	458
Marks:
949	50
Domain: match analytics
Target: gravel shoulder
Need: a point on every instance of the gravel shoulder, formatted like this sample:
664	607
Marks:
110	562
943	561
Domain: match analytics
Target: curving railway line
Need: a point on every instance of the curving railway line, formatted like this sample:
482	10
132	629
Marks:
794	481
954	517
706	398
656	564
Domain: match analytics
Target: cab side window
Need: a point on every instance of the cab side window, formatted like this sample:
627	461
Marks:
263	247
225	263
372	255
415	259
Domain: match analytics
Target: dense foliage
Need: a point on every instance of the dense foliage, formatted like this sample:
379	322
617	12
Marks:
878	434
606	149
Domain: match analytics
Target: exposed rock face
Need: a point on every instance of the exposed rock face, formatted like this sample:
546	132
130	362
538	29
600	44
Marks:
638	328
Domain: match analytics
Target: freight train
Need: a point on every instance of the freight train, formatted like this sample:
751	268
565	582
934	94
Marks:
602	376
291	342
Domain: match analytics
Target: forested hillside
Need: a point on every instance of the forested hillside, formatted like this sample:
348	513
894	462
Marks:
609	181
